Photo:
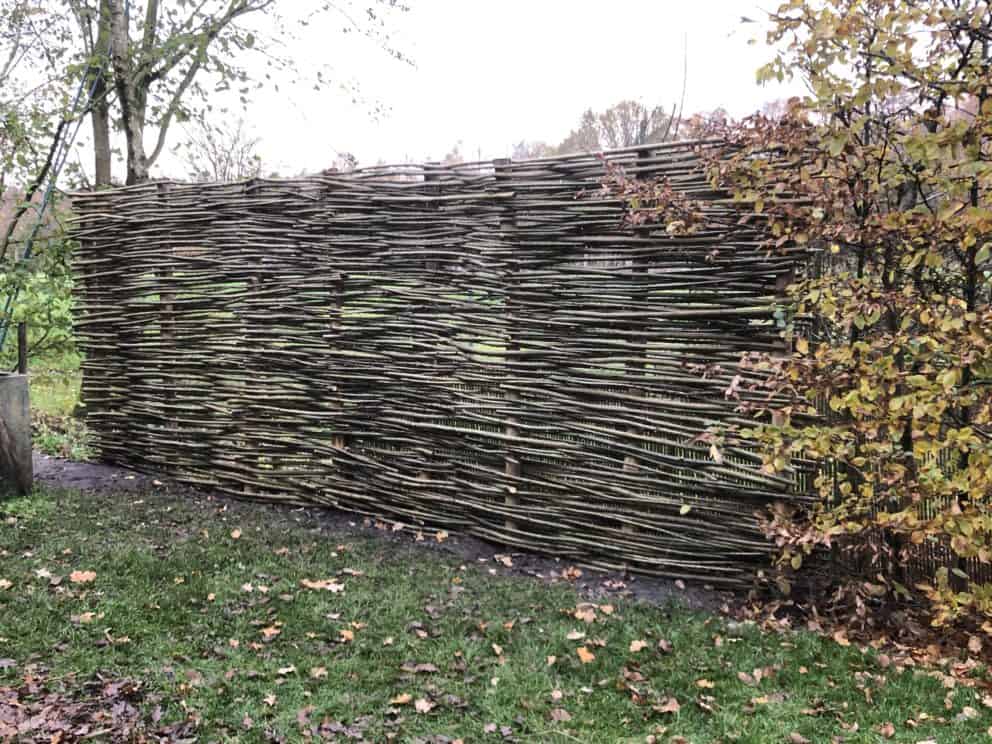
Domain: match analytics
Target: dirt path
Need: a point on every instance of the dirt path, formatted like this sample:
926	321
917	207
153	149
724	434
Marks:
85	476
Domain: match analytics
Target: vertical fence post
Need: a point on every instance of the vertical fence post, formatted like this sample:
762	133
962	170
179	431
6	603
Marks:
782	282
22	348
512	466
638	367
432	186
339	440
167	320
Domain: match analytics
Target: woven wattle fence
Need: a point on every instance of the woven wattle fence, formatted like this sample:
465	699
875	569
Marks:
483	348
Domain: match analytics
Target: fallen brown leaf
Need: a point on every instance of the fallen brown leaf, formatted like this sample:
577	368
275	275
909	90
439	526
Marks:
671	705
424	706
323	584
887	730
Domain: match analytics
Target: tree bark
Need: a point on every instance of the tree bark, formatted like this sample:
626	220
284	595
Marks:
100	112
100	119
130	95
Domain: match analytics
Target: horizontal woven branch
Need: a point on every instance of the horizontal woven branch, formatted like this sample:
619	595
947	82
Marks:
483	348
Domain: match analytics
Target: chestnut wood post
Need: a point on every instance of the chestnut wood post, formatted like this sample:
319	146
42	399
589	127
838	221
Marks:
637	368
167	321
22	348
782	282
432	186
513	468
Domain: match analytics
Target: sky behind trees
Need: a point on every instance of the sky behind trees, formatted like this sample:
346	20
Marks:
490	74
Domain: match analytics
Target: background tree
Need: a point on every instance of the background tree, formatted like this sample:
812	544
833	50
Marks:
344	162
168	58
221	153
705	124
33	55
35	52
529	150
624	124
454	156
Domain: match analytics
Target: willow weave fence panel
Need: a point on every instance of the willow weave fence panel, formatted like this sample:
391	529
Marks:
483	348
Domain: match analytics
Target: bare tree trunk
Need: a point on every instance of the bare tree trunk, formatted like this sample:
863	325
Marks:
130	95
100	118
100	113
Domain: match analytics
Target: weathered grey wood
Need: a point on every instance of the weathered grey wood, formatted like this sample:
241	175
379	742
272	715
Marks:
16	468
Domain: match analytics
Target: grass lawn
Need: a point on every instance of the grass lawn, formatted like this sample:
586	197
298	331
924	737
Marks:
246	623
54	388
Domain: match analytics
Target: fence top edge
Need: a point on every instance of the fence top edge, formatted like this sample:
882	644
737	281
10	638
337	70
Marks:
377	175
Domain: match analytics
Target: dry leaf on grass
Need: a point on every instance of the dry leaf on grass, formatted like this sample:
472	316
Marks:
328	584
424	706
585	655
671	705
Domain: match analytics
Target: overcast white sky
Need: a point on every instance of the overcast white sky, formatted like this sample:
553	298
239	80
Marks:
490	73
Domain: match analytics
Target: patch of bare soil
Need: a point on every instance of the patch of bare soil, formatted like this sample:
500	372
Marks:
87	476
106	479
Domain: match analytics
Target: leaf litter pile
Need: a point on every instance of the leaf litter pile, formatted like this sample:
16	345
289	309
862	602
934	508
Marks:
154	616
40	709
